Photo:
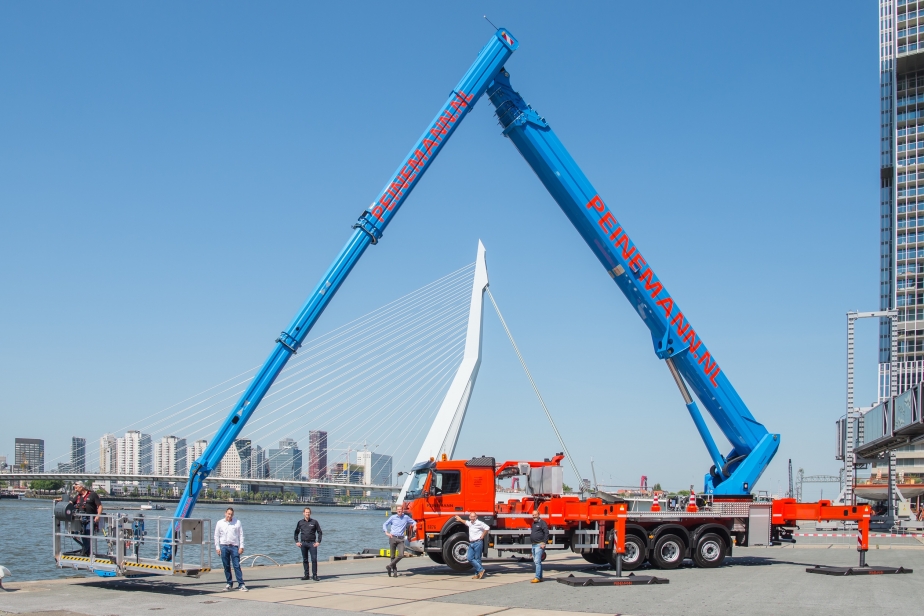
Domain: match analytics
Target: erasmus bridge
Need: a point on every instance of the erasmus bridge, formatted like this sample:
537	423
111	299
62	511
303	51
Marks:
381	378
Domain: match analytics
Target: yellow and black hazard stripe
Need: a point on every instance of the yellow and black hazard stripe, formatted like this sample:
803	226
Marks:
146	566
84	559
204	570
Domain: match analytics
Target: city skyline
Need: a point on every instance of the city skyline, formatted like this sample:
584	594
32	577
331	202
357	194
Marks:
136	453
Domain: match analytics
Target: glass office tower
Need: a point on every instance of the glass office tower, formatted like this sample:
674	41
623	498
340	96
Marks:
901	257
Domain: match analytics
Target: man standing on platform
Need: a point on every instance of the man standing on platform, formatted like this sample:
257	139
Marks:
229	544
396	529
308	538
87	503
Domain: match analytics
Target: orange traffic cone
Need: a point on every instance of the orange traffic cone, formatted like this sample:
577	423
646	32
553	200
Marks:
691	506
655	505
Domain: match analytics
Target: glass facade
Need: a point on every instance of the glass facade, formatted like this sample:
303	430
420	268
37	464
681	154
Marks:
901	191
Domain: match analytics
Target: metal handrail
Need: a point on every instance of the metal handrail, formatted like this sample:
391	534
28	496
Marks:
256	556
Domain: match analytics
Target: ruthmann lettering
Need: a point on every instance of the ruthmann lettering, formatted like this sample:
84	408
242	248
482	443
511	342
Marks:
408	173
622	246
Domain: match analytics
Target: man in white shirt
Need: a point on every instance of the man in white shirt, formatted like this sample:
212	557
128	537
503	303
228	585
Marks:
229	544
477	532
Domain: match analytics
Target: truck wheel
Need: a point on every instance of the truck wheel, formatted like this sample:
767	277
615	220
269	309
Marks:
634	555
594	556
454	550
710	551
437	557
668	552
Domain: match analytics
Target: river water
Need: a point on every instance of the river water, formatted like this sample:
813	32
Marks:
26	533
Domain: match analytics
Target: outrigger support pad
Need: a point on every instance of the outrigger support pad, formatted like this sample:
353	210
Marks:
629	580
864	570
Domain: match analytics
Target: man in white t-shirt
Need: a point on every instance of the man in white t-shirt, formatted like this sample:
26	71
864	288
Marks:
477	532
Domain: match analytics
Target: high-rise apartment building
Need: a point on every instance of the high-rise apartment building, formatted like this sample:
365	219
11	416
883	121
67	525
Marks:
78	455
317	454
285	462
108	454
901	197
29	454
135	454
170	456
196	451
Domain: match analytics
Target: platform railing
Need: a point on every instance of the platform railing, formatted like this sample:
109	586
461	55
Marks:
126	544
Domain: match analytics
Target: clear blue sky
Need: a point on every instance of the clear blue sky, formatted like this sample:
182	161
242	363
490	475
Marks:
174	179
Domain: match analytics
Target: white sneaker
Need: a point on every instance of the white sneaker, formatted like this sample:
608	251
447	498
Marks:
227	587
242	588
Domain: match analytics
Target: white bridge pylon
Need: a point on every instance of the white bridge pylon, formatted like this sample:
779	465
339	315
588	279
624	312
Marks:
444	433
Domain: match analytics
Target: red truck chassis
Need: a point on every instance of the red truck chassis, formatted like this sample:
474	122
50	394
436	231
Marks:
599	528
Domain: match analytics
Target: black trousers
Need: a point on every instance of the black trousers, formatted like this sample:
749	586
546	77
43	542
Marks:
309	549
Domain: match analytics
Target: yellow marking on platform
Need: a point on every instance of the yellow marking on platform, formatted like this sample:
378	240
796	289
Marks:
146	566
84	559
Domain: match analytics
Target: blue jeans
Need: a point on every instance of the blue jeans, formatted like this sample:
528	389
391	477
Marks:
537	558
474	555
231	558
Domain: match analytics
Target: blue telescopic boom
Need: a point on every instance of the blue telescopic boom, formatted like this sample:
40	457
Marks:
675	340
367	230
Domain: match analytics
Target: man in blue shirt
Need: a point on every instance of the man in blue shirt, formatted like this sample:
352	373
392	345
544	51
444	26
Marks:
396	529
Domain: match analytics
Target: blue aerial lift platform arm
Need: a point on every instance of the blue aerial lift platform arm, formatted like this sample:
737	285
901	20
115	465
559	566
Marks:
367	230
675	340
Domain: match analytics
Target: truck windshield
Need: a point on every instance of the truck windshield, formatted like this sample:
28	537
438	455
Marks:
415	490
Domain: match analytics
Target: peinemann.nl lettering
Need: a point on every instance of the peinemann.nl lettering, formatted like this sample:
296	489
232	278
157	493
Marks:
624	246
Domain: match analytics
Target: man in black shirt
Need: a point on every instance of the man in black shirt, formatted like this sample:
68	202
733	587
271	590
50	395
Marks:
308	538
86	502
538	536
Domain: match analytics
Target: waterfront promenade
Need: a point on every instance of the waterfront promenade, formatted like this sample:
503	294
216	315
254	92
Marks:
756	581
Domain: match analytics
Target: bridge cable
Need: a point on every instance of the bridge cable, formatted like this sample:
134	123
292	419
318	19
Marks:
536	389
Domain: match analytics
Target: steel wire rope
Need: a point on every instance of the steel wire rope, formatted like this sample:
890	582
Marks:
405	303
417	295
373	329
238	393
380	342
327	406
364	382
278	429
271	395
536	389
439	371
434	294
349	371
436	386
450	357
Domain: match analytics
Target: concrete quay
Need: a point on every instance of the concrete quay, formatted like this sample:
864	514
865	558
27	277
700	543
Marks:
756	581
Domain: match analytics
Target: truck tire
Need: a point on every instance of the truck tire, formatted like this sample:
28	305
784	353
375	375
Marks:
437	557
668	552
710	551
594	556
454	549
634	556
